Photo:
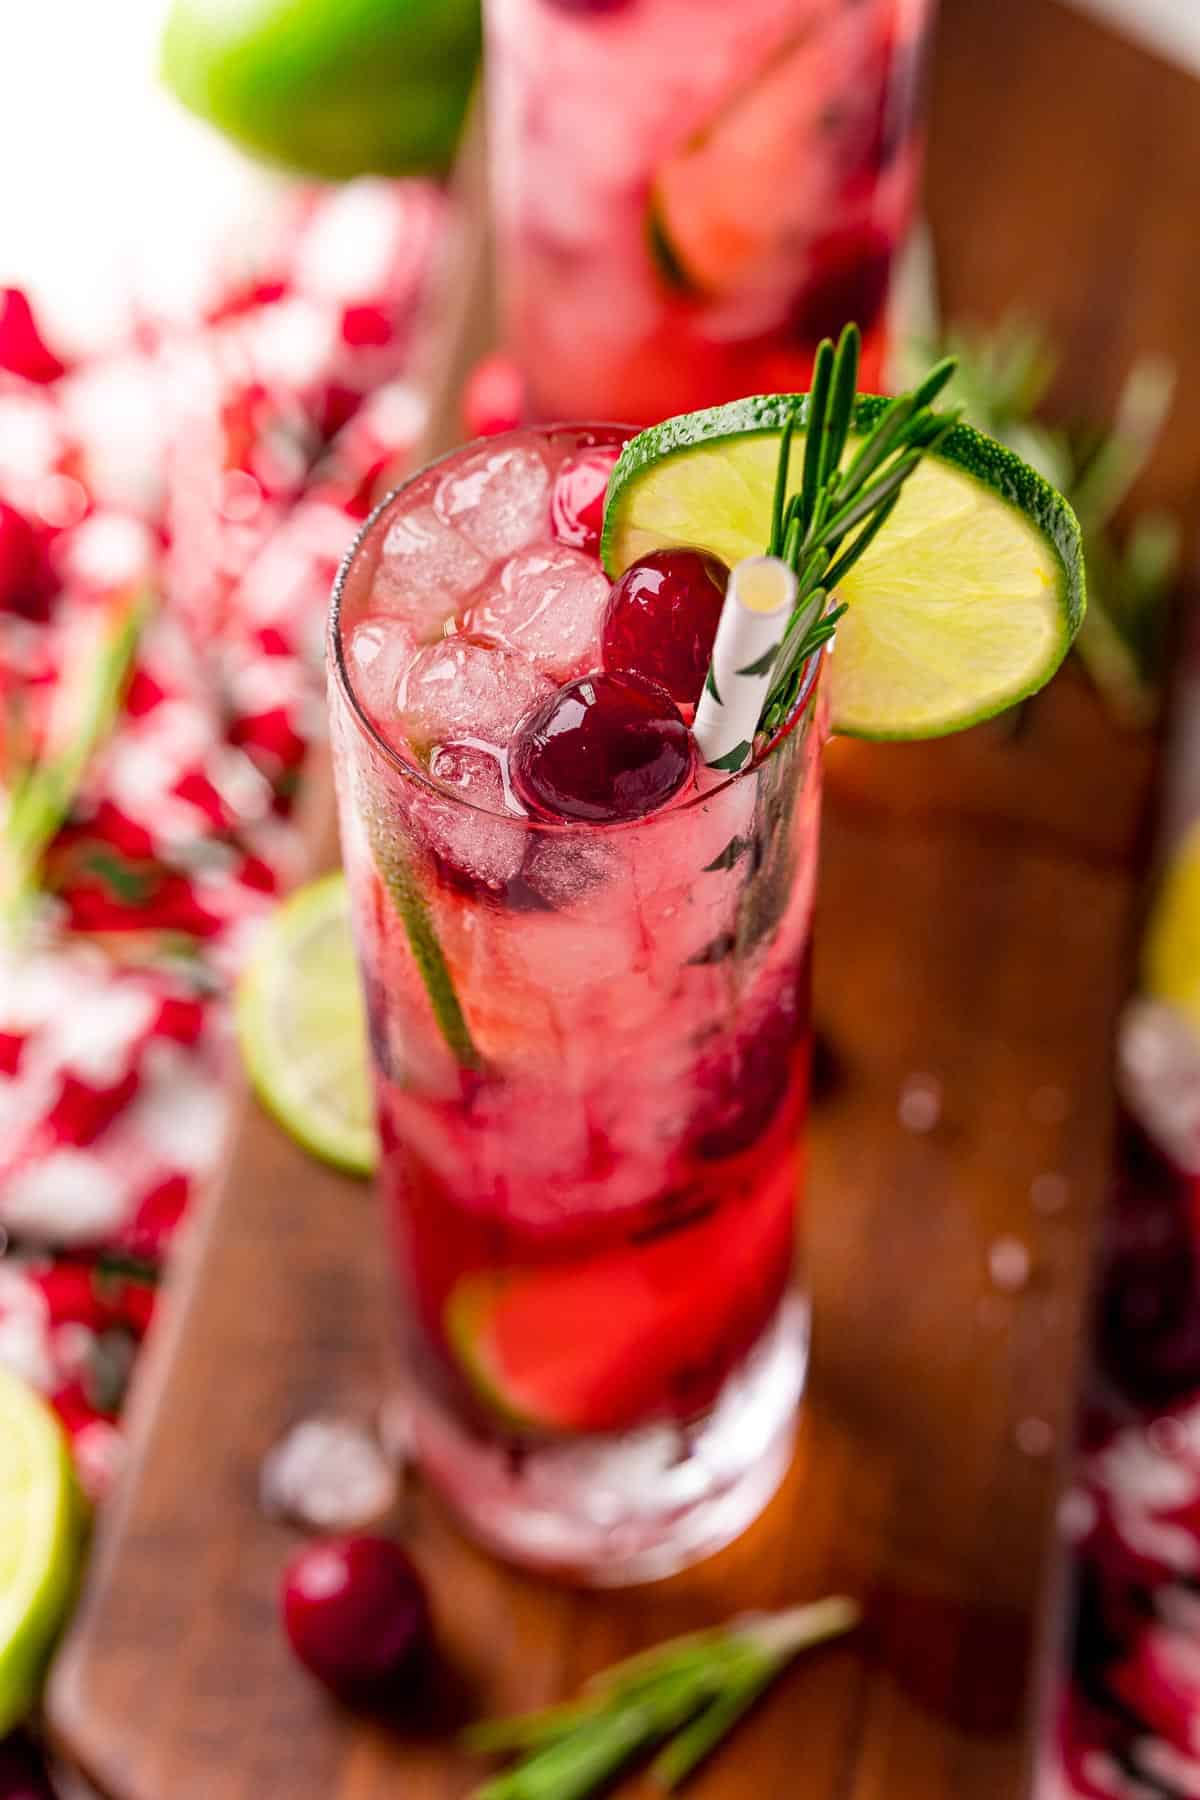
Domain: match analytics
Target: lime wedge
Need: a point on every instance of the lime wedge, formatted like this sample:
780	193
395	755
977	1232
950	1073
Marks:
728	199
40	1535
302	1029
966	602
1171	953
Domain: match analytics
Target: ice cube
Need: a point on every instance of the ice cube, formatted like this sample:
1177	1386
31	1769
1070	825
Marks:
549	604
378	651
499	498
328	1474
426	570
1158	1073
456	689
562	869
475	839
478	774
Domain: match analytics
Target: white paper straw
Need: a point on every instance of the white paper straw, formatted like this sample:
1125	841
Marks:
758	605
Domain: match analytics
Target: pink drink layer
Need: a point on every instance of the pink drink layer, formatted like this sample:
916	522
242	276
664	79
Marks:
591	1205
692	193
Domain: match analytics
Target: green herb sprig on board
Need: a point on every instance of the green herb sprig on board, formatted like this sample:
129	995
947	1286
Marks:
680	1698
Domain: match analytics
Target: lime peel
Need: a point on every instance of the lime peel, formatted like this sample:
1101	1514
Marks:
965	603
302	1030
41	1528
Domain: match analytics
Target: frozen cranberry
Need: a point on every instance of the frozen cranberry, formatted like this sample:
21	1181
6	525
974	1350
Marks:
493	397
577	504
744	1083
355	1612
662	619
849	284
605	747
22	350
20	562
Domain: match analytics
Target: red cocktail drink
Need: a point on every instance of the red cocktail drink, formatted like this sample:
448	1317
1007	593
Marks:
586	966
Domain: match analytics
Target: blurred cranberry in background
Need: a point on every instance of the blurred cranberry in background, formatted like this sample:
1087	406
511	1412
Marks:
21	1776
493	398
23	584
23	351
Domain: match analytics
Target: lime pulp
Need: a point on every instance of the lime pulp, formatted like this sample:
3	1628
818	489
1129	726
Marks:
302	1029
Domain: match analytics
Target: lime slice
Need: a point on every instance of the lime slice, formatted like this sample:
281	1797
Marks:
726	202
966	602
1171	954
40	1535
596	1345
302	1029
332	87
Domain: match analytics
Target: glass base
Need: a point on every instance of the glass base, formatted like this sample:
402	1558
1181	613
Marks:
607	1512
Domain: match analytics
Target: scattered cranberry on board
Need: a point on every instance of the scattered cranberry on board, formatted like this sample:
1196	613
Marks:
355	1613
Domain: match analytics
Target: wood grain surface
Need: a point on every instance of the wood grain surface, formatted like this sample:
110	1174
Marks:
977	908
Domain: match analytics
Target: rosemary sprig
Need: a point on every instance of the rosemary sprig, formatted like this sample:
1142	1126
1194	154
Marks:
41	790
823	528
684	1695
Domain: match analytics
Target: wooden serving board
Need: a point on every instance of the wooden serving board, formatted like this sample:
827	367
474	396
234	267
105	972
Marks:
976	916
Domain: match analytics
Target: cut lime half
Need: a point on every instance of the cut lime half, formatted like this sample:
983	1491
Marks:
302	1029
40	1534
966	602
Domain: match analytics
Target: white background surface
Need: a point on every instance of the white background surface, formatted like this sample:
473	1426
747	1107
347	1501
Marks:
101	173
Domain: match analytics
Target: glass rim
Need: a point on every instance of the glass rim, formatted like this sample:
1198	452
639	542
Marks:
410	773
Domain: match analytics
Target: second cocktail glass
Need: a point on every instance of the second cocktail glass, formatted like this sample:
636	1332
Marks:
690	194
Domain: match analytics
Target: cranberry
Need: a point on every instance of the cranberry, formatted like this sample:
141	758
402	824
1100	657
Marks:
355	1612
22	350
662	619
745	1083
604	747
493	398
20	563
849	283
577	504
22	1775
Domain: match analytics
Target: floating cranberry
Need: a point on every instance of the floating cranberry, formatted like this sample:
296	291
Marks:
355	1612
605	747
22	348
493	398
577	504
744	1084
662	619
849	285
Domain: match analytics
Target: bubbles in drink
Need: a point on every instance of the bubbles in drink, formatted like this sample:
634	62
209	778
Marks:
426	571
456	689
499	498
548	604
